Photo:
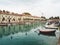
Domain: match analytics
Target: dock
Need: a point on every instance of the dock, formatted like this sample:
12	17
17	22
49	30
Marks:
58	43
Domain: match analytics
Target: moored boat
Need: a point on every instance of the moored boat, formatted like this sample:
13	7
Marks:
47	31
52	25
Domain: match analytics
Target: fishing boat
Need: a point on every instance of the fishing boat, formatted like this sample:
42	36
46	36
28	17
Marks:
47	31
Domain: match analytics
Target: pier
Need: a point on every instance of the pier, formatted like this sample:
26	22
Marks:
58	41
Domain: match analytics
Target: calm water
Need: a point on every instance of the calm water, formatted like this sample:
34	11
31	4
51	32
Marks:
24	35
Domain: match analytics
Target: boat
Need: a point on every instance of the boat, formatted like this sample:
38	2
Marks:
47	31
47	34
52	25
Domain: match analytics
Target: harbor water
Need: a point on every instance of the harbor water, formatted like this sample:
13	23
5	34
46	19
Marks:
25	35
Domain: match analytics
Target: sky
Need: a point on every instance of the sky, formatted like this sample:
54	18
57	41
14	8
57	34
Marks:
39	8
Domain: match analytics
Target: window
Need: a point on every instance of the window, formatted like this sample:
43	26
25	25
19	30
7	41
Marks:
3	19
19	19
13	19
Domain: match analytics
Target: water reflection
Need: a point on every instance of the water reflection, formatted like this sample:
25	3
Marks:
24	35
47	34
11	37
7	30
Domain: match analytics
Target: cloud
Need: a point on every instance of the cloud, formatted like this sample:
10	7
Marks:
35	7
55	1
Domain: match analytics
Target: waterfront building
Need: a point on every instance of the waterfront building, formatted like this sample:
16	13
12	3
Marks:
11	17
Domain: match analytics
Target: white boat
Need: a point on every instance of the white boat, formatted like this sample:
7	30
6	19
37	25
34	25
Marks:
52	25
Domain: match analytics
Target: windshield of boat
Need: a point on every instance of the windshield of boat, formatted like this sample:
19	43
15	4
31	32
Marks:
57	22
49	23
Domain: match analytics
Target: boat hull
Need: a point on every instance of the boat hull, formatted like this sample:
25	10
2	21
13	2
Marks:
51	27
47	32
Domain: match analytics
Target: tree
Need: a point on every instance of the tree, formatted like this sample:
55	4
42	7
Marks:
43	17
26	13
7	12
56	17
0	11
3	11
51	17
